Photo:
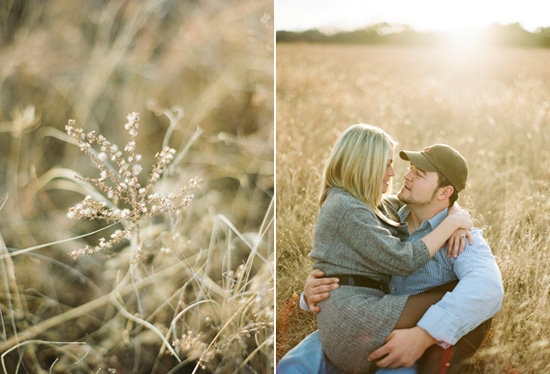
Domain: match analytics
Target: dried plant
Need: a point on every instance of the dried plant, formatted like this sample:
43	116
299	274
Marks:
122	187
186	304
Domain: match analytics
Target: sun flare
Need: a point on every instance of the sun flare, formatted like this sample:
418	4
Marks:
465	38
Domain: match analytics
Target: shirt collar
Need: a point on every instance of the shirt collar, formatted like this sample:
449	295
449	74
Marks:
432	222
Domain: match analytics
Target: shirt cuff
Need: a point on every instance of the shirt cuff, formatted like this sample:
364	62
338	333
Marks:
441	325
303	304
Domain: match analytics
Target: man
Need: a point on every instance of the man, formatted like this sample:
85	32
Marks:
431	185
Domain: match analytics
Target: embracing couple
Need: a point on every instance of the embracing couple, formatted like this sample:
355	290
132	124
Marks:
409	285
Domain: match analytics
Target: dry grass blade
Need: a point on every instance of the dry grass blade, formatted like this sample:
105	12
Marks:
46	245
226	324
36	341
88	307
142	322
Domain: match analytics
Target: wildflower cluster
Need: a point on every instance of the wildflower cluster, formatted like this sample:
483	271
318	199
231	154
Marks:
119	181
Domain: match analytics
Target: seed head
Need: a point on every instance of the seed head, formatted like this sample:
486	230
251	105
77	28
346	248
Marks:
124	186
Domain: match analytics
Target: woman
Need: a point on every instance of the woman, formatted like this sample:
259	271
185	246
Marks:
356	234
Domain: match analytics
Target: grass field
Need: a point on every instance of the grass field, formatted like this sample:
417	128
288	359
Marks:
182	280
492	105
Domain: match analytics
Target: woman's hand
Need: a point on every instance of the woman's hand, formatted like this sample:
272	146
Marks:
457	242
317	288
461	217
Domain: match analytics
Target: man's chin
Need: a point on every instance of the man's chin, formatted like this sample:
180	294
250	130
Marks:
405	200
400	197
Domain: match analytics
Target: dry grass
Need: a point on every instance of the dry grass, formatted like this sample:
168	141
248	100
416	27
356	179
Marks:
187	290
492	105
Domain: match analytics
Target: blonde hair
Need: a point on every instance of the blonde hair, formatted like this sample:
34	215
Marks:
357	164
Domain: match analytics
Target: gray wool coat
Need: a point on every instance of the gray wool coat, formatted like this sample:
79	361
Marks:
350	239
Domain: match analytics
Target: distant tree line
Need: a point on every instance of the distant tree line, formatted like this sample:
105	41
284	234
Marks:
512	35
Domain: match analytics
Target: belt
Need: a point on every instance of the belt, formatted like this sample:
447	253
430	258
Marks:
360	281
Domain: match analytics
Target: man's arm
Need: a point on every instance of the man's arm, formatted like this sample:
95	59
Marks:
402	347
316	290
476	298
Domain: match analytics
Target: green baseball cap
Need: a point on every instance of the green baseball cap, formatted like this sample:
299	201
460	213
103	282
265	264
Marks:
443	159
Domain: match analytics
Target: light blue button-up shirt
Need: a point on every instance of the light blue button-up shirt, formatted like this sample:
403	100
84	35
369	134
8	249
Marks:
477	296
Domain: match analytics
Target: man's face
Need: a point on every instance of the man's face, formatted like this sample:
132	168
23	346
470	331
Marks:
419	187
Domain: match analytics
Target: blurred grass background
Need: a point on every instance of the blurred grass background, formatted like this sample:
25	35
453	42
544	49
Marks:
184	66
491	104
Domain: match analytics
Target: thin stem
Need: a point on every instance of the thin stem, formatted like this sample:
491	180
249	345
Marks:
34	341
236	314
142	322
86	308
258	348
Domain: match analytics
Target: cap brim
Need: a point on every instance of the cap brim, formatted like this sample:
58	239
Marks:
418	160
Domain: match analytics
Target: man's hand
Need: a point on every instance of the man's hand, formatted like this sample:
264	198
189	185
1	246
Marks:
402	347
317	288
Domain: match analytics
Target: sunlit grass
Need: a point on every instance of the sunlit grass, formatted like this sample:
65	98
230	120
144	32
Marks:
492	106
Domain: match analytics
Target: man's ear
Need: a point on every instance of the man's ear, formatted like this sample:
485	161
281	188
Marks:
445	192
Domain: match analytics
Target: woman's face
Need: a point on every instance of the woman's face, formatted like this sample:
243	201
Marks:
389	173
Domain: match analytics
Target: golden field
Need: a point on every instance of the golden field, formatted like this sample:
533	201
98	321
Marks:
493	105
182	281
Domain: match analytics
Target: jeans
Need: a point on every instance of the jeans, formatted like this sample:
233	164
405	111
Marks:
308	358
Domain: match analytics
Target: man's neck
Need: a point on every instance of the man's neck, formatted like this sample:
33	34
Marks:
422	213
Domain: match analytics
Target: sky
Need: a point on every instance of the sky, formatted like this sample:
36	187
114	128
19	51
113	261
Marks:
422	15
